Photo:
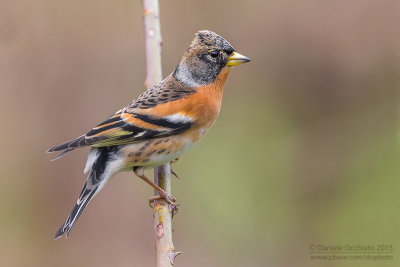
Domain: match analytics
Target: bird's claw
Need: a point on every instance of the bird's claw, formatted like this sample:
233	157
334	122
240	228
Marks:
172	205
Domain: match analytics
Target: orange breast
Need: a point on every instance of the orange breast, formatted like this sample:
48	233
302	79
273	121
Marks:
203	106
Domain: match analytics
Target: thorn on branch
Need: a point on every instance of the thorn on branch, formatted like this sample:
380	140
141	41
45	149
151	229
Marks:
172	255
175	174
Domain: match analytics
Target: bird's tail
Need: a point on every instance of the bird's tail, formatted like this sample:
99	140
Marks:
103	164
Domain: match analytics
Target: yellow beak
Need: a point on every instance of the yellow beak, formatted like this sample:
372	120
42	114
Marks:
237	59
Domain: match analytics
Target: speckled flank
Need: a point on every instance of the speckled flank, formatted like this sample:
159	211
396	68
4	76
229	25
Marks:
157	153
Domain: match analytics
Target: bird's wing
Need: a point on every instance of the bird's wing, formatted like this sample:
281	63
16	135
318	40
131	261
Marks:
157	112
132	125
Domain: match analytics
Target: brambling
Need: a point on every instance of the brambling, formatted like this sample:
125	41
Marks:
161	124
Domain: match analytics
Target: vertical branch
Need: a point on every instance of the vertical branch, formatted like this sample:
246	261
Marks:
162	219
152	31
162	214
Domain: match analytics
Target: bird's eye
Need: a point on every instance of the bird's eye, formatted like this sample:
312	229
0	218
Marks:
214	54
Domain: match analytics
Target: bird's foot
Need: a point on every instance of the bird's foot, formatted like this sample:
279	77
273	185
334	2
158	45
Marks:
172	205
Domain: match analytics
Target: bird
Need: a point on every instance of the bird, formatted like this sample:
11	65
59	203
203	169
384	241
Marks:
160	124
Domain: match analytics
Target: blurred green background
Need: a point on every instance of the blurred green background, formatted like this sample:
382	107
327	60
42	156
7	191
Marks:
305	151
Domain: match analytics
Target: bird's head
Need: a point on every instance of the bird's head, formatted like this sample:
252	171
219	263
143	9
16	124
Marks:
206	56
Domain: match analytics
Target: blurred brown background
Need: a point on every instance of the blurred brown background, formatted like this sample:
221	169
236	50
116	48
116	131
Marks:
305	151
